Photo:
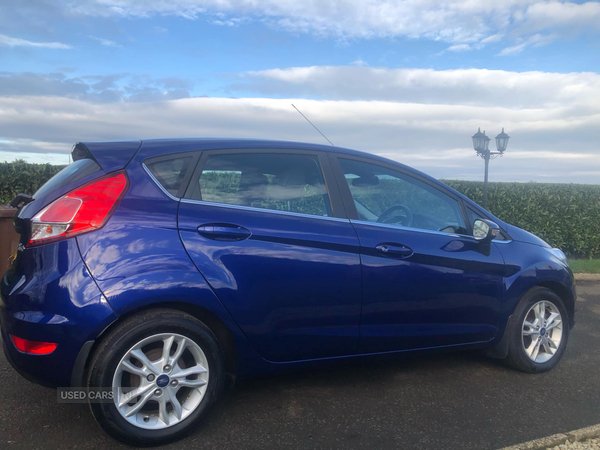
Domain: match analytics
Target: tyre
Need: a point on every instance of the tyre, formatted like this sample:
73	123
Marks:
538	332
165	369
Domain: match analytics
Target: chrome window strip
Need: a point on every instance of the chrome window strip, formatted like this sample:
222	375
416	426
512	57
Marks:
167	193
263	210
421	230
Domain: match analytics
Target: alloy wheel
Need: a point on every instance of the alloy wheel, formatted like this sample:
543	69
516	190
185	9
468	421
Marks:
160	381
542	331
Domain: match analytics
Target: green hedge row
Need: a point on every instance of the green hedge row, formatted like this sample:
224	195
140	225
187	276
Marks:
21	177
566	216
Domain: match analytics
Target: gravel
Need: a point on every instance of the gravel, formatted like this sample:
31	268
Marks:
589	444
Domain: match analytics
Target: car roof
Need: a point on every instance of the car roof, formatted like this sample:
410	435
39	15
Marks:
179	145
215	143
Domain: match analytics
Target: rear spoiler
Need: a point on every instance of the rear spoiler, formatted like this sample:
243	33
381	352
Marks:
110	156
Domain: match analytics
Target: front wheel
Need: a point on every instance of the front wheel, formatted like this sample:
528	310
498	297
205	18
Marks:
165	370
539	332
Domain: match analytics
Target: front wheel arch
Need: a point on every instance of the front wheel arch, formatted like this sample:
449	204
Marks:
500	350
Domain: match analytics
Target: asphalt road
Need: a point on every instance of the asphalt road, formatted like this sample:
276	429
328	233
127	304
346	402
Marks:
455	401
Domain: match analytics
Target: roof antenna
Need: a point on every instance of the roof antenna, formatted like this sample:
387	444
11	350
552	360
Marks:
312	124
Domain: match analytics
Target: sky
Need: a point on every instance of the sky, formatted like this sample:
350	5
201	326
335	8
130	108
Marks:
410	80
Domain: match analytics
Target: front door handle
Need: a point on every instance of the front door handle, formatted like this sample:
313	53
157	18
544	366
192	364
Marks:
394	250
224	232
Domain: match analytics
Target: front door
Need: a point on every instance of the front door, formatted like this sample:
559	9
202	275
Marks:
426	282
268	234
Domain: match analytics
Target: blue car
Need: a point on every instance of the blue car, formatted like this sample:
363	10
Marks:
162	270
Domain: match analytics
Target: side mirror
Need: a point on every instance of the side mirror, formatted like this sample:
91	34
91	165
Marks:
485	230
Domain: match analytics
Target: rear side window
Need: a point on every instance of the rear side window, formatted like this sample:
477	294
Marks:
280	182
170	172
73	172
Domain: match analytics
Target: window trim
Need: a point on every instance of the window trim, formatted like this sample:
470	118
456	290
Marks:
186	179
335	200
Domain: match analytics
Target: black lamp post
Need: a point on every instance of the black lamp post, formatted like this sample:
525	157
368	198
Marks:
481	143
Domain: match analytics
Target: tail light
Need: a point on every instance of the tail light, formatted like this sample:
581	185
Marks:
85	209
33	347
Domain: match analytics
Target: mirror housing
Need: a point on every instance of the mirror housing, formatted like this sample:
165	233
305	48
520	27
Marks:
485	230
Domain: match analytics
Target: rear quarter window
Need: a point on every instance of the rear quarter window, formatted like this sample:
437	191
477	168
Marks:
170	172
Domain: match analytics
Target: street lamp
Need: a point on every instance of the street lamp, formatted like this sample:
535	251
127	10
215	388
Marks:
481	143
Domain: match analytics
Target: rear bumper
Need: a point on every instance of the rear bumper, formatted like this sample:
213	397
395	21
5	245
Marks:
51	299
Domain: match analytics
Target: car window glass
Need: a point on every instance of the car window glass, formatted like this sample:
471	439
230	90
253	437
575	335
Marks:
73	172
281	182
387	196
171	172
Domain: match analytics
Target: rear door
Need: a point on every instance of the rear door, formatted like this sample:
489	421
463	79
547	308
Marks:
426	282
267	230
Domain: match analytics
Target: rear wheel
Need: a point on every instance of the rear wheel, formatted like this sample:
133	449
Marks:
538	332
165	370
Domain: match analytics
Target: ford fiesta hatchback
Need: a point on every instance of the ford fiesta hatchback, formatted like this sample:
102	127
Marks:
161	270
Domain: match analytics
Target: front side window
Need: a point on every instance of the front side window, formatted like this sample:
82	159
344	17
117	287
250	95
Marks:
387	196
281	182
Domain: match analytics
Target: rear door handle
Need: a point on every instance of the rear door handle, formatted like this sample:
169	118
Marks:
394	250
224	232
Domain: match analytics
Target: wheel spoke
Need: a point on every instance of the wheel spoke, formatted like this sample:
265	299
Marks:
552	344
127	366
194	370
177	409
192	383
141	357
554	324
547	348
540	311
163	414
167	344
127	397
533	332
533	348
551	319
180	349
139	405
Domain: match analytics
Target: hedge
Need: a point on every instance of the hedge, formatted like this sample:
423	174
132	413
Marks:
21	177
567	216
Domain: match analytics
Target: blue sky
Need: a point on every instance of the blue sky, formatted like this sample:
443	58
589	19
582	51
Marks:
411	80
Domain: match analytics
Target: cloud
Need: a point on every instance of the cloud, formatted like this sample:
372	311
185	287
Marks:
577	91
8	41
105	42
459	48
555	15
548	143
95	88
537	40
478	22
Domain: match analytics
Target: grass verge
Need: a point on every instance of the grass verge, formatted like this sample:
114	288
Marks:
585	265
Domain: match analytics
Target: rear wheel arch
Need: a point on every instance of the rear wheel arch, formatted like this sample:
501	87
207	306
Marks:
212	321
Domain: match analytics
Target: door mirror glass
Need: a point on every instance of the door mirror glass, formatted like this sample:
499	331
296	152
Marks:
485	230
